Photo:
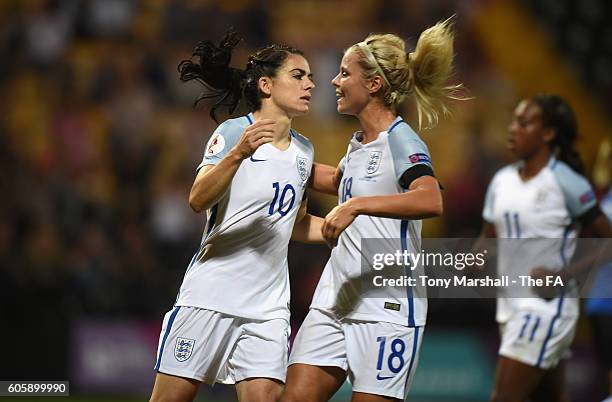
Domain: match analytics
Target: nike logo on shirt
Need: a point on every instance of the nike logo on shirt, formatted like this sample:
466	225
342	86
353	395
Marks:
257	160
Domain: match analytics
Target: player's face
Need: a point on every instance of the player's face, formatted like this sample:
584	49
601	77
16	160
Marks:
526	132
351	90
291	89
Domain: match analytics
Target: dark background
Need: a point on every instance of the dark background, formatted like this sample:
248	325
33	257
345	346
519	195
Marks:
99	144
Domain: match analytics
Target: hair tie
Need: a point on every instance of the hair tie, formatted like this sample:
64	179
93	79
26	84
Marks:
368	54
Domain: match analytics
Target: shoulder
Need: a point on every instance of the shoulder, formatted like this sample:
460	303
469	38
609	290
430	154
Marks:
231	126
227	134
572	183
406	145
577	190
564	174
505	172
503	175
302	142
402	133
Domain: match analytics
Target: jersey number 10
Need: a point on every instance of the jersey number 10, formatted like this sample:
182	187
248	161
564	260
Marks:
281	199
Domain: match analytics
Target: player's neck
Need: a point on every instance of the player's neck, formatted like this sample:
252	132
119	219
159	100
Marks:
534	163
282	136
374	118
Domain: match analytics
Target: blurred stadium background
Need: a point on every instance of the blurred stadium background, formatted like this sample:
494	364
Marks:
99	141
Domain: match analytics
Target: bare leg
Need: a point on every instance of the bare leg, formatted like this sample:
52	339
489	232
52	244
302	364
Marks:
169	388
363	397
515	381
552	387
307	383
259	390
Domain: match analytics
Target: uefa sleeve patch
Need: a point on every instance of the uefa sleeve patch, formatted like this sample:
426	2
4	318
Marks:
587	197
215	145
419	157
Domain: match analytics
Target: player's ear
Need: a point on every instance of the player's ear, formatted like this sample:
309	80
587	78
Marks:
374	84
549	135
265	85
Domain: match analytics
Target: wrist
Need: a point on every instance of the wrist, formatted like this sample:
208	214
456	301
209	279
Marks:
236	156
356	206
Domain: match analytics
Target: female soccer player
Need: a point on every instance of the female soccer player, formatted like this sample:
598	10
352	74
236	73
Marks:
543	196
230	322
385	185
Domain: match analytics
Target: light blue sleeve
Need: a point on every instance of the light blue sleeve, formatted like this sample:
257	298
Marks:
606	204
223	140
487	210
407	150
578	193
342	163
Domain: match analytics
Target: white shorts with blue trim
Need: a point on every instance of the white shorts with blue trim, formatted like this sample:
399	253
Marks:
379	357
211	347
537	338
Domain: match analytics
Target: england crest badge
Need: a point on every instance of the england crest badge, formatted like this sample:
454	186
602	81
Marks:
373	162
183	349
302	168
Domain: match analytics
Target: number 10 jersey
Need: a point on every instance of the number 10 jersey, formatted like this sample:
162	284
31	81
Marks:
241	266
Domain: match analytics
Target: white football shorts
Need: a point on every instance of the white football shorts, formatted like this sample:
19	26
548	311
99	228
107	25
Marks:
379	357
211	347
536	338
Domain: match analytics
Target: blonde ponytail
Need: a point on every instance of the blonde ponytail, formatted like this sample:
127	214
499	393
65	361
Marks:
423	72
431	65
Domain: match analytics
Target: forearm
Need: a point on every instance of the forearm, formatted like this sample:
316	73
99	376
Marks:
324	179
308	230
588	255
414	204
210	186
599	256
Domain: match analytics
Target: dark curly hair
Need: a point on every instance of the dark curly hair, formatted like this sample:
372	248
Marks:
227	84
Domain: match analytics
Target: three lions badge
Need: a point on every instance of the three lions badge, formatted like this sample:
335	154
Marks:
373	162
302	168
183	349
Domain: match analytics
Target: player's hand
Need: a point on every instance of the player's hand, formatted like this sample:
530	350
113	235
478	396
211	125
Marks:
547	290
254	136
336	221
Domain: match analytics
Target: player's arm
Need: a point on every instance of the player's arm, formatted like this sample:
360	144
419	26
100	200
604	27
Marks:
488	228
307	227
422	200
597	226
325	178
582	206
488	231
212	181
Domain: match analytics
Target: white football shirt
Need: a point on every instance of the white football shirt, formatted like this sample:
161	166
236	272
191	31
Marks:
241	267
368	170
536	225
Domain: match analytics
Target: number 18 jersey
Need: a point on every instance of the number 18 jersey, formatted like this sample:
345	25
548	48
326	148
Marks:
241	267
374	169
